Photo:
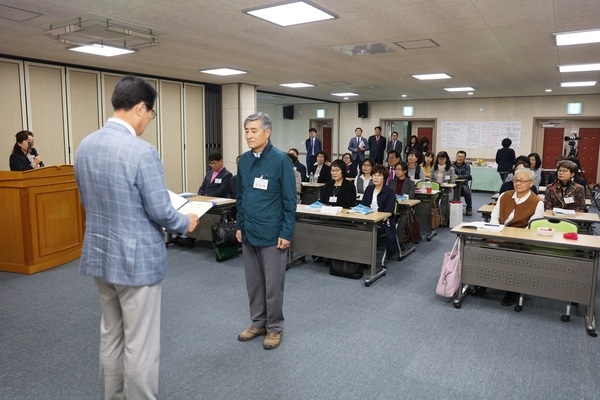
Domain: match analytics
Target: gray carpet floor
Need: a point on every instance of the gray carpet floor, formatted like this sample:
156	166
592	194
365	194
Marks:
394	340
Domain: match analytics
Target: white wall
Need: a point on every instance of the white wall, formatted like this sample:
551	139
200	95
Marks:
523	109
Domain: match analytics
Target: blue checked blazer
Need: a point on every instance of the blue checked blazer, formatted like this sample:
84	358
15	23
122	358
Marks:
123	190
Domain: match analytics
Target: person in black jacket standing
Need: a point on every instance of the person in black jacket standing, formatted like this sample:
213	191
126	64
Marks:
505	158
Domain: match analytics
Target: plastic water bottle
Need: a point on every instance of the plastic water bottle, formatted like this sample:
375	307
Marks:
311	179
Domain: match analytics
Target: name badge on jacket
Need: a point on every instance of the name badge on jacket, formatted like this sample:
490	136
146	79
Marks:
569	200
260	183
218	181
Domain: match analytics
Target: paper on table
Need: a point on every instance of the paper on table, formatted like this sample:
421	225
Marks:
484	226
331	209
563	211
185	206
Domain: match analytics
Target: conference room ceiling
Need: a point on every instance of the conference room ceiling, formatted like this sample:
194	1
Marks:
499	47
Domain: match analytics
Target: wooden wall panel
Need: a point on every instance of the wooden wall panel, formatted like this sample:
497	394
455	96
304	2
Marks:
46	111
83	99
12	115
171	122
193	110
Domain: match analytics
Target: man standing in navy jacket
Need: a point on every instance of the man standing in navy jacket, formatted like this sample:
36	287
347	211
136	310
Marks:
266	202
217	180
377	146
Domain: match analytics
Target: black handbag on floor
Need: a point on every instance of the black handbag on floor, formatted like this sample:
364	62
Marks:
224	232
346	269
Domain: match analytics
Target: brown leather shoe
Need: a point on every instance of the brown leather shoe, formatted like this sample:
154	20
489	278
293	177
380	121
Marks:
251	333
469	211
272	340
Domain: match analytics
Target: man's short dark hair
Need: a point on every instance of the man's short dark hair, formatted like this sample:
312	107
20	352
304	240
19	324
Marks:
506	142
394	152
215	156
295	150
130	90
378	127
312	130
464	153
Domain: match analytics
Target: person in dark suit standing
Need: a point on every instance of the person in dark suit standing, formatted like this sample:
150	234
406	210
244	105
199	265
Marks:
217	181
357	147
313	146
377	146
123	191
394	144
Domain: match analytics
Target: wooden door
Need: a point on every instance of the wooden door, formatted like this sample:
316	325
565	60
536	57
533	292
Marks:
426	131
588	145
553	146
326	139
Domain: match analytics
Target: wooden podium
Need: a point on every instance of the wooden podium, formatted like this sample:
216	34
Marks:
41	219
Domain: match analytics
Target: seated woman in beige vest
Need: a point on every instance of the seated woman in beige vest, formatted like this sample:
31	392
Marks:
515	208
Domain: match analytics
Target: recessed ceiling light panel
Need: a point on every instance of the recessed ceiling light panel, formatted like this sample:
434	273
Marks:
427	77
297	85
459	89
223	71
579	67
292	13
578	84
578	37
346	94
101	50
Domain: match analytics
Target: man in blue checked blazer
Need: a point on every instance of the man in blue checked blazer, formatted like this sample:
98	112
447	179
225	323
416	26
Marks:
123	191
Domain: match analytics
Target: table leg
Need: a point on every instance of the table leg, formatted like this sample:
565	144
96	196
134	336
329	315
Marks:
374	273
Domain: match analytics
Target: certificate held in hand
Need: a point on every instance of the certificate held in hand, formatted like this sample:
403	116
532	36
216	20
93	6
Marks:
185	206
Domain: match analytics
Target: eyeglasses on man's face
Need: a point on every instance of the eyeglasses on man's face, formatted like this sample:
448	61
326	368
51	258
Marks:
151	110
564	171
521	181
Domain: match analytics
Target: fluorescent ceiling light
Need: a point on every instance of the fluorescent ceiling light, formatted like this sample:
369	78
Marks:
579	37
345	94
459	89
298	12
579	67
101	50
223	71
426	77
577	84
297	85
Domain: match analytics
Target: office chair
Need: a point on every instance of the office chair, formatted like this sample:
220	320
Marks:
562	226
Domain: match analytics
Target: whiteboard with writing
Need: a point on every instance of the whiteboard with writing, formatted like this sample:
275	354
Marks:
480	134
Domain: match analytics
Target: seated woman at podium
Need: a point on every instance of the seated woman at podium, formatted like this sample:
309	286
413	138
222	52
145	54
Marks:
515	208
24	157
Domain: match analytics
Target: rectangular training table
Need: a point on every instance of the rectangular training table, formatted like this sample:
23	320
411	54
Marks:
343	236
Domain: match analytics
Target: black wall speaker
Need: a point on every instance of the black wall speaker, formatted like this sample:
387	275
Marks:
288	112
363	110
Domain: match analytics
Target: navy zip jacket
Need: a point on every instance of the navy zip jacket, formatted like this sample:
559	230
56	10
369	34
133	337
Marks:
263	216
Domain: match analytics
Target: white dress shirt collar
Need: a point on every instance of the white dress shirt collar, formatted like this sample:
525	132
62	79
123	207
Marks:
125	124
